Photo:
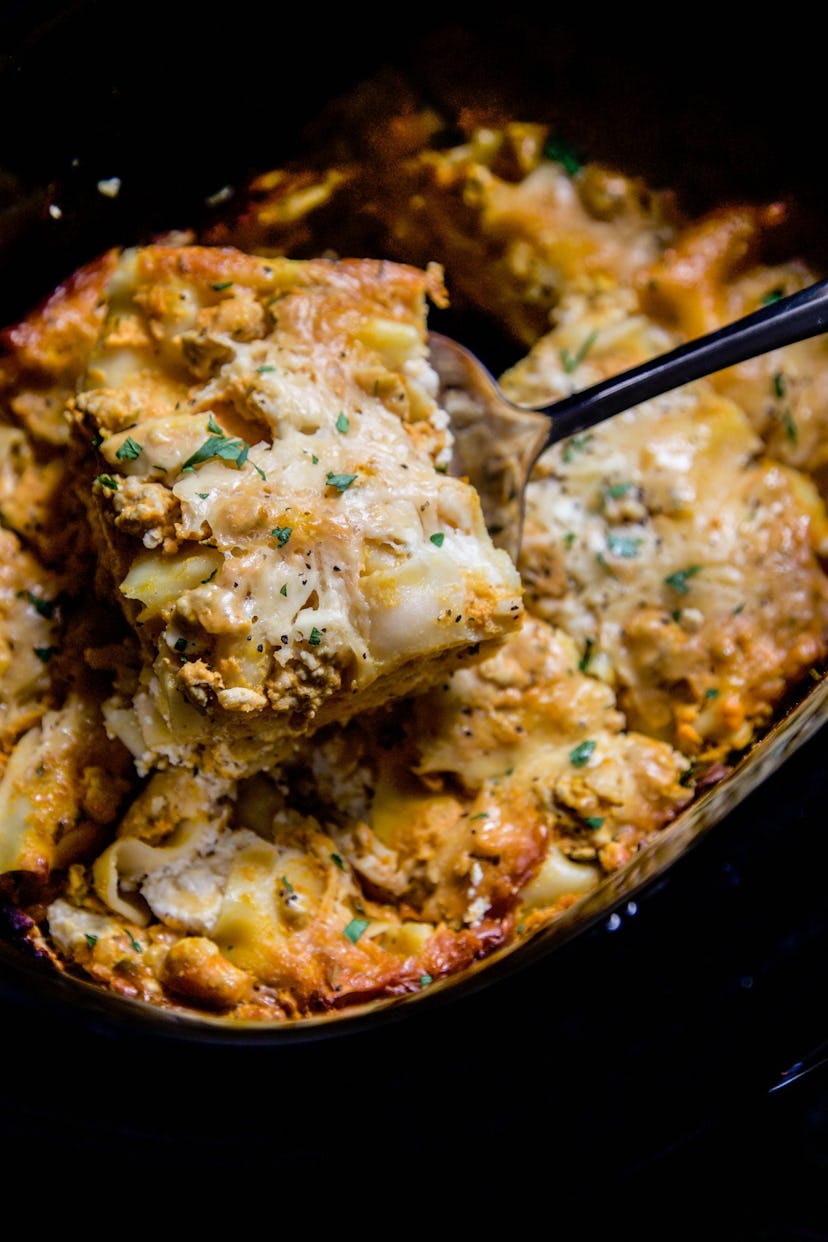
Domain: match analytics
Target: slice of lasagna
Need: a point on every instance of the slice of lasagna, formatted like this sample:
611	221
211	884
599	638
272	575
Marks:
264	461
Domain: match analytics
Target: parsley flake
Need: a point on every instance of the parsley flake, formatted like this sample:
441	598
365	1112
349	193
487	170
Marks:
594	821
340	481
129	450
678	580
219	446
437	538
90	939
561	152
337	861
342	423
283	589
355	929
425	980
44	654
46	607
623	545
106	480
571	362
575	444
315	637
221	285
582	753
616	490
281	534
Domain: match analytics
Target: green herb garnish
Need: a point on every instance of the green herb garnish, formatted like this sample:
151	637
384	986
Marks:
355	929
582	753
129	450
678	580
571	362
340	481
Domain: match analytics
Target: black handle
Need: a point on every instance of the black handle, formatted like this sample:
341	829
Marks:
794	318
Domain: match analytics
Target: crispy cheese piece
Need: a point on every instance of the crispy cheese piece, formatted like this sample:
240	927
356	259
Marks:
270	504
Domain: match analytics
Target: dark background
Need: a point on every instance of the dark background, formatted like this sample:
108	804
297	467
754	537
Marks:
681	1058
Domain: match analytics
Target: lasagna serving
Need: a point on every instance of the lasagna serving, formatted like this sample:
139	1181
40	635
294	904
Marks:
282	730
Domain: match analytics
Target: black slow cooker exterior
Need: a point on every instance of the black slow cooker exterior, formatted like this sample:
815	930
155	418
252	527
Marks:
678	1043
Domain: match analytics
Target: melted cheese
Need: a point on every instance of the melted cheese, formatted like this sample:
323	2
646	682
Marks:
272	500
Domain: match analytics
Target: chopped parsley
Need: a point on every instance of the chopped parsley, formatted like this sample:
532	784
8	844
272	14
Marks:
44	654
340	481
576	444
563	153
679	580
790	426
342	423
583	663
180	644
129	450
773	295
221	285
222	446
315	637
264	370
106	480
571	362
281	534
582	753
90	939
594	821
219	446
437	538
283	589
355	929
337	861
779	386
425	980
623	545
133	943
46	607
616	490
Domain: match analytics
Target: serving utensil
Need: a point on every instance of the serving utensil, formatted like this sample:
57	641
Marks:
497	443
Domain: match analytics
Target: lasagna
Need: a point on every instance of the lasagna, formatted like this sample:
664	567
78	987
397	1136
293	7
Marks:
270	504
283	732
